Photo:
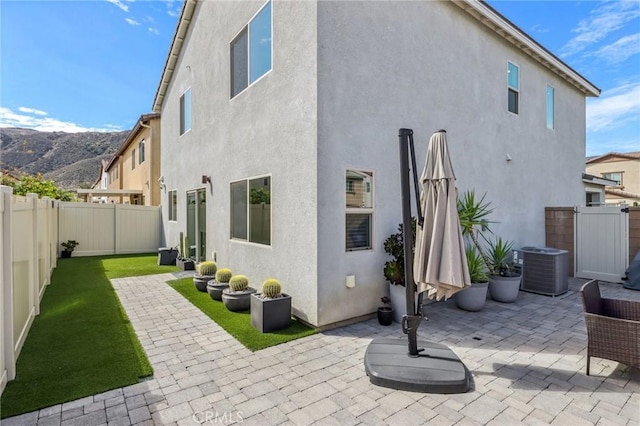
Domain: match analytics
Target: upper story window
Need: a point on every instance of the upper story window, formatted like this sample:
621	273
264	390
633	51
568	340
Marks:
551	108
513	87
251	51
185	112
251	210
617	176
133	159
359	210
141	152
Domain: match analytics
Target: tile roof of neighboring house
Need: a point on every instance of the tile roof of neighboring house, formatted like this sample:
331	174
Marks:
598	180
132	134
479	9
626	155
621	193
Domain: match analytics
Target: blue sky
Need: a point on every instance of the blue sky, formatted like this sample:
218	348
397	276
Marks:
95	65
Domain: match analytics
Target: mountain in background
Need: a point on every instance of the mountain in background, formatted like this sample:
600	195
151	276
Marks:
72	160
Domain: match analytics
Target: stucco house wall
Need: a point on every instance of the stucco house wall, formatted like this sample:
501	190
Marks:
428	66
345	77
267	130
628	164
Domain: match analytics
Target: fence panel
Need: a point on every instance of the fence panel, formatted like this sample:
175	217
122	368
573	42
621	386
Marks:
24	270
138	229
5	276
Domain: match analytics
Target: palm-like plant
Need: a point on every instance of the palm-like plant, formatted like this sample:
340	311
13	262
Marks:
477	267
473	214
500	257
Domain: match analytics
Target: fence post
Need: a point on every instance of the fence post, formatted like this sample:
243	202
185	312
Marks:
8	353
34	276
116	218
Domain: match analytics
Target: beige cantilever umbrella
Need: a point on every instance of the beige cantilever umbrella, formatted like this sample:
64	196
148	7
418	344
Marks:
439	264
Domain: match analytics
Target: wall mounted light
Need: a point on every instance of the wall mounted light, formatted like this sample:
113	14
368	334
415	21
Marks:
206	179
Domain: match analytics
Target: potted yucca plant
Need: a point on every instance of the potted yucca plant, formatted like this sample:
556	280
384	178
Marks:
504	280
270	309
205	271
221	282
237	297
473	298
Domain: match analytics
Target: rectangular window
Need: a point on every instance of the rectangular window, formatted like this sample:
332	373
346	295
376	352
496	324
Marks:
251	51
133	159
251	210
185	112
617	176
141	152
513	87
551	122
173	205
359	210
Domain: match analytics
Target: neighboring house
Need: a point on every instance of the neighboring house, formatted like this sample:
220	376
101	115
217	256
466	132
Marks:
133	173
624	170
280	134
594	187
101	183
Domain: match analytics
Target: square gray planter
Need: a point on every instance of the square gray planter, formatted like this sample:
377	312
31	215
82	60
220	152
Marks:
270	314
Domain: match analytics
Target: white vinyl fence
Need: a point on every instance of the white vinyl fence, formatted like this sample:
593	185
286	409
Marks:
30	237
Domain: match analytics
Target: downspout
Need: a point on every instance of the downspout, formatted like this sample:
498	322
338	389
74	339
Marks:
146	126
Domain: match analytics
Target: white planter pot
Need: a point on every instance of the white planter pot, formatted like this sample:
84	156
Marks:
399	301
472	298
504	289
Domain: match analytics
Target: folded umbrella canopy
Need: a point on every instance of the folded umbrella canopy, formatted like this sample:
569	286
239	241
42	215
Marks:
439	263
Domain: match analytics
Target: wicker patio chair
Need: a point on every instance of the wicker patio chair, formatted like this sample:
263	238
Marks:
613	327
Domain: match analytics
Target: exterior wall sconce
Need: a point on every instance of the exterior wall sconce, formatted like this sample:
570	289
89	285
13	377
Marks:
206	179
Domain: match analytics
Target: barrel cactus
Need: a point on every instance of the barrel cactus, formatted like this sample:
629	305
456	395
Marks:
271	288
223	275
208	268
239	283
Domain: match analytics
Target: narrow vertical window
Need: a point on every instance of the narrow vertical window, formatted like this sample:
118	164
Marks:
551	121
185	112
359	210
133	159
513	88
173	205
141	152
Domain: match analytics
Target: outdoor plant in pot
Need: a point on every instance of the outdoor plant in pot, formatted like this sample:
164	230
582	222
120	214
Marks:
183	261
270	309
385	313
504	280
473	298
394	270
205	271
238	296
69	246
219	283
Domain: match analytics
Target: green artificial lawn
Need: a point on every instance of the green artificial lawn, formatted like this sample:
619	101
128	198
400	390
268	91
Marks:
82	343
238	324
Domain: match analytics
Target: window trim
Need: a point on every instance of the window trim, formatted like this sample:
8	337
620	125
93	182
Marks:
515	89
553	107
141	151
246	28
360	210
182	130
247	241
133	159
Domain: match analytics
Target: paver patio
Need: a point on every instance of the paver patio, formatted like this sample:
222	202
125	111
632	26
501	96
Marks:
527	360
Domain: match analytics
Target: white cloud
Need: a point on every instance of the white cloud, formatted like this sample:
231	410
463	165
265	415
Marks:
131	21
616	107
153	30
602	21
32	111
173	13
538	28
9	118
621	50
119	4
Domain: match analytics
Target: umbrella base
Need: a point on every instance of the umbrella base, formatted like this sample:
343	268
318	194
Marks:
436	370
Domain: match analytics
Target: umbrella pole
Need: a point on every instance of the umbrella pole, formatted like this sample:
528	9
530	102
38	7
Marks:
411	321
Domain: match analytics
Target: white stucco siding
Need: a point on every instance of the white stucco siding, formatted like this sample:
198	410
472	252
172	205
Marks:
267	130
426	66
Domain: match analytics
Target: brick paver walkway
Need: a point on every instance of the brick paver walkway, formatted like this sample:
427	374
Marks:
527	360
